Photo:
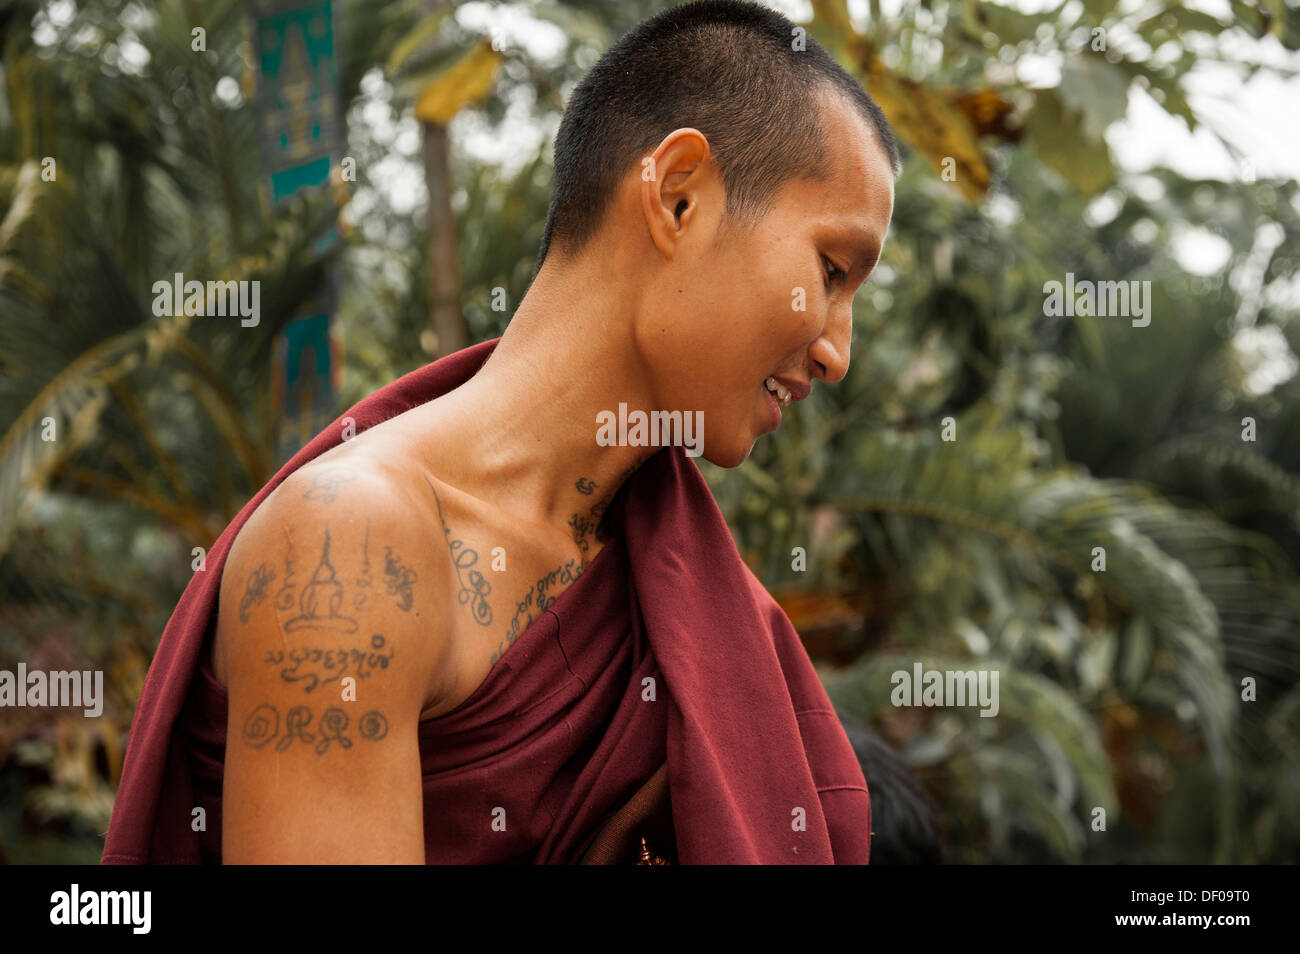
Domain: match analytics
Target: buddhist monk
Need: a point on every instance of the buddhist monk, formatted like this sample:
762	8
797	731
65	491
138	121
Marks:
492	606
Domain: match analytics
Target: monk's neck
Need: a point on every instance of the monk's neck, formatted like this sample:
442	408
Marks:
528	420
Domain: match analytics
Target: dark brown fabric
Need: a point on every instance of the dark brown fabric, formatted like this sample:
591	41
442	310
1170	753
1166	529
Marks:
647	814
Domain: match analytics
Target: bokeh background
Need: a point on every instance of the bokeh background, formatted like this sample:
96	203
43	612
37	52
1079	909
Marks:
1149	140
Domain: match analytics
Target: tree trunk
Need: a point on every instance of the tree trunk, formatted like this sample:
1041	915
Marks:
447	332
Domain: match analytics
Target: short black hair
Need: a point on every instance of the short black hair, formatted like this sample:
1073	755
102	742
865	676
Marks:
731	69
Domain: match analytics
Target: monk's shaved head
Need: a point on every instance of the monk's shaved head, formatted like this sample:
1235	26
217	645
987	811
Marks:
743	75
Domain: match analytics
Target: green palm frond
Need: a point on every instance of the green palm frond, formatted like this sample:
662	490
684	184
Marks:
1041	739
1235	479
1171	567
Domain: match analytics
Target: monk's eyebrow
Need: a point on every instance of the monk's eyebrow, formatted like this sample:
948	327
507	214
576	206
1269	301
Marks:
859	237
868	249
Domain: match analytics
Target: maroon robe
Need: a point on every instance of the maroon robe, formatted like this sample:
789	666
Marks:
564	729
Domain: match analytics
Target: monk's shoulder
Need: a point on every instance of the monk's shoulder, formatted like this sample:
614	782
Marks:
339	557
760	594
367	509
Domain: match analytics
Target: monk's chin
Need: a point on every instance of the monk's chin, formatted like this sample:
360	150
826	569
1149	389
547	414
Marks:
731	456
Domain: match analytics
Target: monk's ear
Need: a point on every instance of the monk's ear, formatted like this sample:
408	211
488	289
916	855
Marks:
672	180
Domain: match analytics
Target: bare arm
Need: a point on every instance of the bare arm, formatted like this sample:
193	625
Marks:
329	630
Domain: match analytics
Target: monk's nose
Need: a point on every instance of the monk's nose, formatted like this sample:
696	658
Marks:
830	352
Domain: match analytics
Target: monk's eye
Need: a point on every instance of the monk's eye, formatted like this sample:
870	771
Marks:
833	274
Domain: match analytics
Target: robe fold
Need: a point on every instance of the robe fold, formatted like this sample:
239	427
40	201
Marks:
666	648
